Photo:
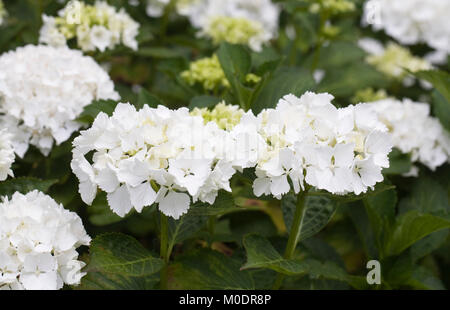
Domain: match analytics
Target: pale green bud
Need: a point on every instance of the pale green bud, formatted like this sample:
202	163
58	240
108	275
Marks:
369	95
206	71
395	59
225	116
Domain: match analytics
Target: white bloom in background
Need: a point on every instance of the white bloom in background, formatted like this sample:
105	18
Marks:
414	131
99	26
249	22
393	60
412	21
163	156
6	154
38	241
310	141
43	90
155	8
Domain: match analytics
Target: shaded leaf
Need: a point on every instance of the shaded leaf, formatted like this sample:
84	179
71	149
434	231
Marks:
118	253
208	270
318	212
24	185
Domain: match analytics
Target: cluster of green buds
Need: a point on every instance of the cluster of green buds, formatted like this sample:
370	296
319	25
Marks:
234	30
206	71
224	115
395	59
369	95
209	73
332	7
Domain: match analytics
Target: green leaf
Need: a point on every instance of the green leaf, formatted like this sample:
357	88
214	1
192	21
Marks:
145	98
24	185
424	279
381	212
118	253
100	213
283	82
399	163
428	244
236	63
441	108
184	228
109	281
347	80
427	196
158	52
91	111
318	212
261	254
439	79
205	269
203	102
224	204
441	95
410	228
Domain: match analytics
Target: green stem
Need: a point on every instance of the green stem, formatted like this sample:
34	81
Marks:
164	253
294	234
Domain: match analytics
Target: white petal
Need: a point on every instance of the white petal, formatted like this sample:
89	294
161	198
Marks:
142	195
119	201
175	204
279	185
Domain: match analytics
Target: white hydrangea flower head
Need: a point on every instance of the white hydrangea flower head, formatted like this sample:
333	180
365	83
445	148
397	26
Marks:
38	241
43	90
156	155
310	141
249	22
411	21
6	154
393	59
99	26
406	121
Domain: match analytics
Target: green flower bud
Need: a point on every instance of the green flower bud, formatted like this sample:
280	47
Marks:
225	116
206	71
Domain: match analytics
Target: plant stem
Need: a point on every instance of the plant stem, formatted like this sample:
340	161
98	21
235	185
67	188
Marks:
294	234
164	251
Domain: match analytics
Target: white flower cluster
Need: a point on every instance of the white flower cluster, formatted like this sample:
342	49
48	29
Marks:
412	21
309	140
6	154
250	22
38	241
99	26
414	131
43	90
170	156
156	155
